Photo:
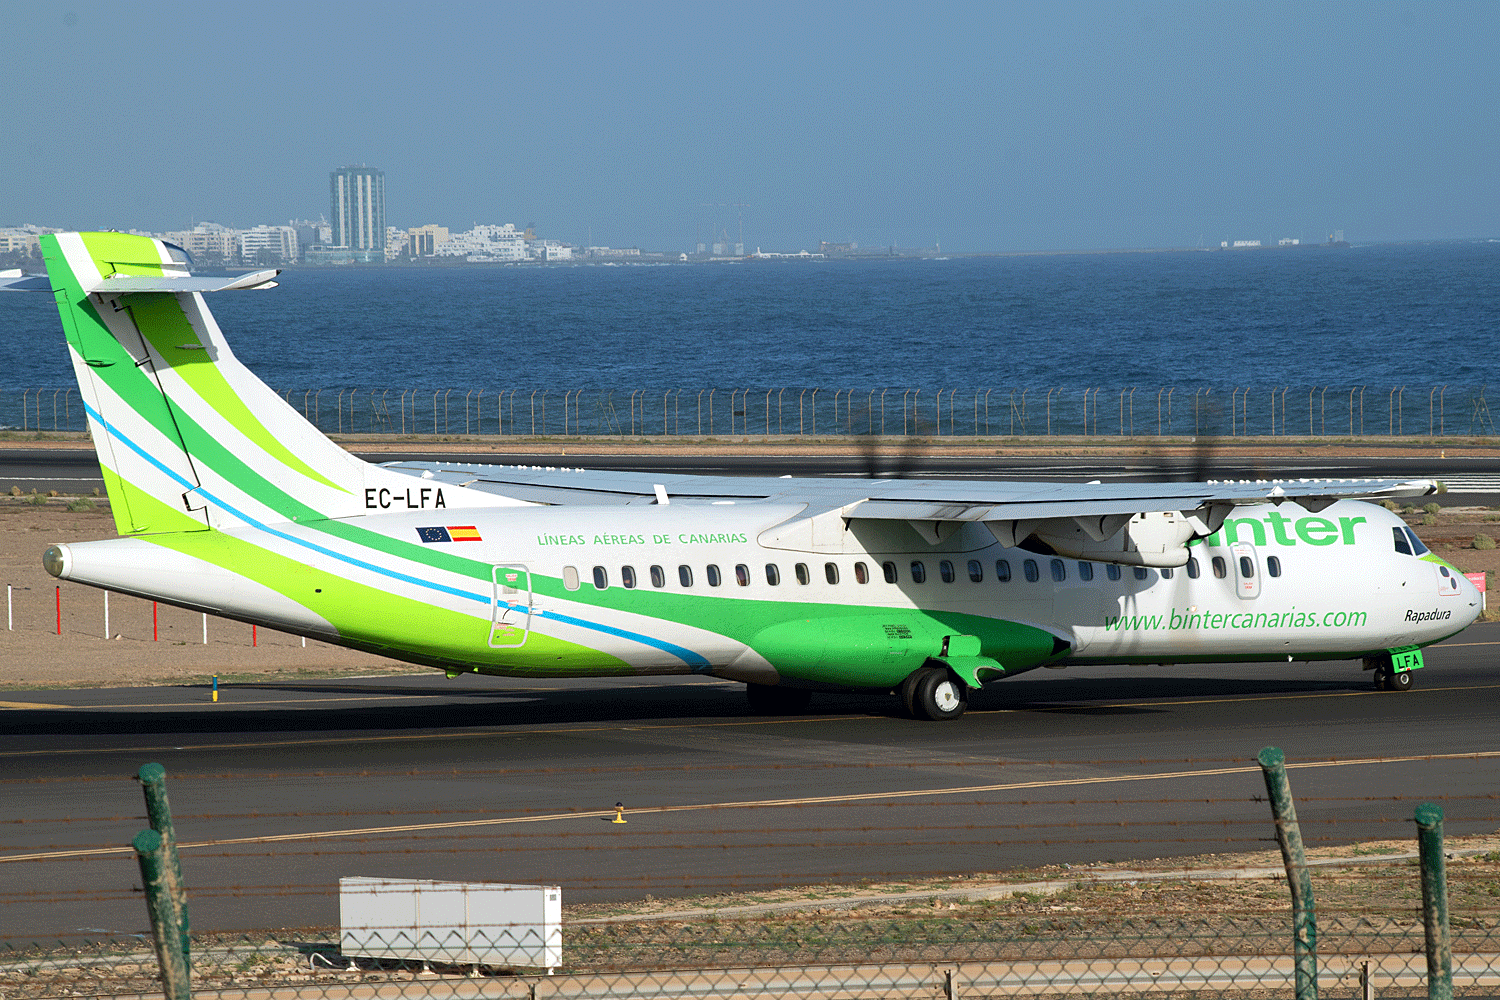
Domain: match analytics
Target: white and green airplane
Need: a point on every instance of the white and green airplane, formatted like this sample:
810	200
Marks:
227	501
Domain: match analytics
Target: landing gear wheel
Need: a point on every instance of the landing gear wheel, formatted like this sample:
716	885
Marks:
1382	678
907	693
938	695
772	699
1399	681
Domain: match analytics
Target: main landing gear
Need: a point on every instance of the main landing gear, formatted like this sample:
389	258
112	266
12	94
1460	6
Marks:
933	693
1386	677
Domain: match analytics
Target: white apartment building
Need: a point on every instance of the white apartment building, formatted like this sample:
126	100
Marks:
484	244
551	250
395	243
278	243
208	239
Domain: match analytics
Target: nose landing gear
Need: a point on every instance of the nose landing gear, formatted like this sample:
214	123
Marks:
1387	677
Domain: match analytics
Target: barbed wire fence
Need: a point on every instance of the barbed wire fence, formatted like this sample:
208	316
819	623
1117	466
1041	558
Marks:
833	932
813	411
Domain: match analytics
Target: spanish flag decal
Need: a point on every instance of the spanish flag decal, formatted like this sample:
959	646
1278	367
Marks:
451	533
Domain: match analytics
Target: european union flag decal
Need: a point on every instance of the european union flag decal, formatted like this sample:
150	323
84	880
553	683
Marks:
433	535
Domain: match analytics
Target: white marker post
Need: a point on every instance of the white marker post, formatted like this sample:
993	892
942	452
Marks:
106	614
205	628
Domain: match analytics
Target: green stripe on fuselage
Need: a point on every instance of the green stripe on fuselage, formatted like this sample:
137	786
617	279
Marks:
161	320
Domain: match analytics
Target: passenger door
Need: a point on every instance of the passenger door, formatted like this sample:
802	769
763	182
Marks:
510	606
1246	570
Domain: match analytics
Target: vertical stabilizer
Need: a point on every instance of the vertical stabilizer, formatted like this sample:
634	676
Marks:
188	437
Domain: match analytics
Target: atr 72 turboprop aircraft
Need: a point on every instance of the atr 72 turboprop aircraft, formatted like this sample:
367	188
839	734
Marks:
229	502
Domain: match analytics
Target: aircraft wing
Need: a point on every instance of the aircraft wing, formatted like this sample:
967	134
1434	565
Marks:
1146	524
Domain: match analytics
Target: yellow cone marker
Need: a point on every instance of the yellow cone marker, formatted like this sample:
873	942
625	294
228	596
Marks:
619	813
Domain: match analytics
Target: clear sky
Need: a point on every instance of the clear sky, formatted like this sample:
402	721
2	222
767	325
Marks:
985	126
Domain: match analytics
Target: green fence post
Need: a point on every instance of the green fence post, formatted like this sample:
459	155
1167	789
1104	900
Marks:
157	880
153	778
1289	836
1429	818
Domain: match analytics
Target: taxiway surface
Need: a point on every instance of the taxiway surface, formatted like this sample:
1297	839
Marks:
280	789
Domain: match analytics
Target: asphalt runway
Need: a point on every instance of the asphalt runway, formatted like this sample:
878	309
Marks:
1471	481
281	788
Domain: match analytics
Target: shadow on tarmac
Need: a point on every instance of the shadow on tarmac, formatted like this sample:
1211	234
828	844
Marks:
453	709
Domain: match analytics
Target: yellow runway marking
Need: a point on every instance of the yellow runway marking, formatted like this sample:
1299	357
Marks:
30	704
911	793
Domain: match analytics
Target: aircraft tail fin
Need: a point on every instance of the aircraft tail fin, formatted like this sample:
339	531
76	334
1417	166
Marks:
187	436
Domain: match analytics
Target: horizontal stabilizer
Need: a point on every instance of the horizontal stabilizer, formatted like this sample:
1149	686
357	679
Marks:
126	284
131	284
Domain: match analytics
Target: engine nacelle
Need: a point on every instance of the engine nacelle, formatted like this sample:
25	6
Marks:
1158	538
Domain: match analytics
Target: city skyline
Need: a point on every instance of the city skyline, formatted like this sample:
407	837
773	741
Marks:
1005	127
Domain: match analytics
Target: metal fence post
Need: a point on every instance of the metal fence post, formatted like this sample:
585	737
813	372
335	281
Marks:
153	779
160	886
1429	818
1289	836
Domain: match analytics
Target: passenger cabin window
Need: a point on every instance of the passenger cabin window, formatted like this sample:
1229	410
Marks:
861	573
1059	570
1273	565
570	577
1166	573
1032	573
976	571
1085	571
742	575
1193	568
1402	545
1247	567
1002	570
889	569
685	575
1112	571
773	574
1221	568
1140	572
918	572
627	577
831	572
658	576
714	579
945	570
803	576
601	578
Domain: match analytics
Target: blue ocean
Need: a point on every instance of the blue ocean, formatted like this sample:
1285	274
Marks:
1199	324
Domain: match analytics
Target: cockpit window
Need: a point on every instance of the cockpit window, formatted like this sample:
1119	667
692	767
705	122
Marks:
1402	545
1417	548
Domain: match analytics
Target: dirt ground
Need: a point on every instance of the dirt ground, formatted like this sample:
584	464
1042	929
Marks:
34	655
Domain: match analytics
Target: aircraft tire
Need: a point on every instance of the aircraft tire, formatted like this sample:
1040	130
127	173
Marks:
772	699
1401	681
907	693
939	696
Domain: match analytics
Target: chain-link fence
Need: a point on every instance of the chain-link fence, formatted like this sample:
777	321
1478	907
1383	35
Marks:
801	411
826	956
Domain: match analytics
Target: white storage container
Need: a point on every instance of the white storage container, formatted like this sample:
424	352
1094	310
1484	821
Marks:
463	923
